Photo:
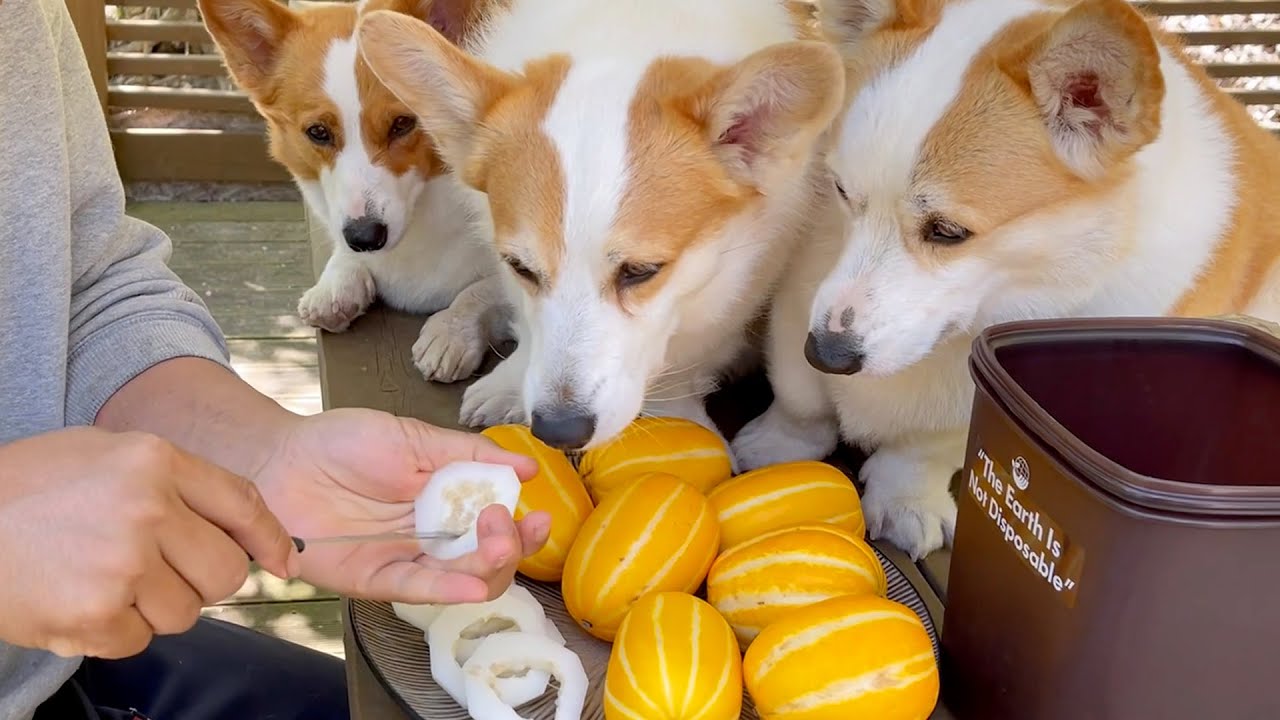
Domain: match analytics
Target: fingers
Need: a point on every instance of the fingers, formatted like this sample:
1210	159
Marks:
123	635
411	582
479	576
166	600
234	505
534	530
437	447
486	451
205	557
499	550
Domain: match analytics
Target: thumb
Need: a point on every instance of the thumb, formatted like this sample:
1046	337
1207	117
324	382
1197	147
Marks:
436	447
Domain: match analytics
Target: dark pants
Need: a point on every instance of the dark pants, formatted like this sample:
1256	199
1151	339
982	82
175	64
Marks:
215	671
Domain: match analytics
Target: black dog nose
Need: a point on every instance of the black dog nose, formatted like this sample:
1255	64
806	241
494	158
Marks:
834	353
563	428
365	234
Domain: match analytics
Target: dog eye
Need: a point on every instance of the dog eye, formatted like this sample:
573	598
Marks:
840	189
402	126
319	134
520	269
632	274
945	232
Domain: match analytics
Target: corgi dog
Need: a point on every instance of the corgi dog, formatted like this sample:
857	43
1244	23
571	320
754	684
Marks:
649	168
1001	160
401	228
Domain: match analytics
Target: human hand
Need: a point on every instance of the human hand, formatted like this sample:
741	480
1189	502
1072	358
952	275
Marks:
111	538
356	471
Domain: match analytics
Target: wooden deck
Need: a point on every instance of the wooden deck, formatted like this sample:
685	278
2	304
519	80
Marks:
251	262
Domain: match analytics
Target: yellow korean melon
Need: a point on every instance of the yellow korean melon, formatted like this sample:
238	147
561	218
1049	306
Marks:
676	446
654	533
853	656
674	657
557	489
785	495
760	581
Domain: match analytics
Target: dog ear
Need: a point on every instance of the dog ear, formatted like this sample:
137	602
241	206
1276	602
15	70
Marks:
769	109
249	34
454	19
1095	77
845	22
447	88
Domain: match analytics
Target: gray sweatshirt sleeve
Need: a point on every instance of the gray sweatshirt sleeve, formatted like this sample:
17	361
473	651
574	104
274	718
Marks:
128	310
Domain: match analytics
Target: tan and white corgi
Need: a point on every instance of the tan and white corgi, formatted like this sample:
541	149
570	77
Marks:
1001	160
401	229
649	168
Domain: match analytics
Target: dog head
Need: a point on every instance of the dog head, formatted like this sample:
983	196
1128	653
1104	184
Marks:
978	161
617	192
353	147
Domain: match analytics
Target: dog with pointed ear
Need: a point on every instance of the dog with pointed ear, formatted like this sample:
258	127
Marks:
1001	160
257	37
401	228
712	168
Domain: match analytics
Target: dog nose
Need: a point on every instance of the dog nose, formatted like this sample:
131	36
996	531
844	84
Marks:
365	234
834	353
563	428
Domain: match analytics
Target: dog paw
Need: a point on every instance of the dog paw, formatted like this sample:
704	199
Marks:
450	347
494	399
337	299
775	438
915	514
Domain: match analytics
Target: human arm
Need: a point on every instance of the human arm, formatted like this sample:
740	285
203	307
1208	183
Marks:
146	355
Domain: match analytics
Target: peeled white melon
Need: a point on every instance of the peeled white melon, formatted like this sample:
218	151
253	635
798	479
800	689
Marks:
419	616
453	498
507	653
449	646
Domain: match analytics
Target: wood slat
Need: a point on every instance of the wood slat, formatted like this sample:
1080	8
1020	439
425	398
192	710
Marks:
179	4
240	217
1238	70
91	24
153	31
1170	8
1229	37
196	155
169	98
1256	97
141	63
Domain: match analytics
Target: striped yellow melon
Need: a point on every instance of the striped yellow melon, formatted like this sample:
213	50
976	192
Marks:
676	446
785	495
760	581
674	658
854	656
654	533
557	490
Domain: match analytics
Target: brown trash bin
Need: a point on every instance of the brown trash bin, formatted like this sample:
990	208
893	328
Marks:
1117	550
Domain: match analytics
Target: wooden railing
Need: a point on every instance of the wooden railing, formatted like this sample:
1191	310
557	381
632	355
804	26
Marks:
127	55
240	156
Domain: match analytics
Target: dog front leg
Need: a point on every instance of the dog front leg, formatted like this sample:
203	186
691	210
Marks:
343	293
498	398
454	341
908	498
800	423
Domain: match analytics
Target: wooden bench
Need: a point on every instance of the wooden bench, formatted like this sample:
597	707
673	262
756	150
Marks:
370	366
